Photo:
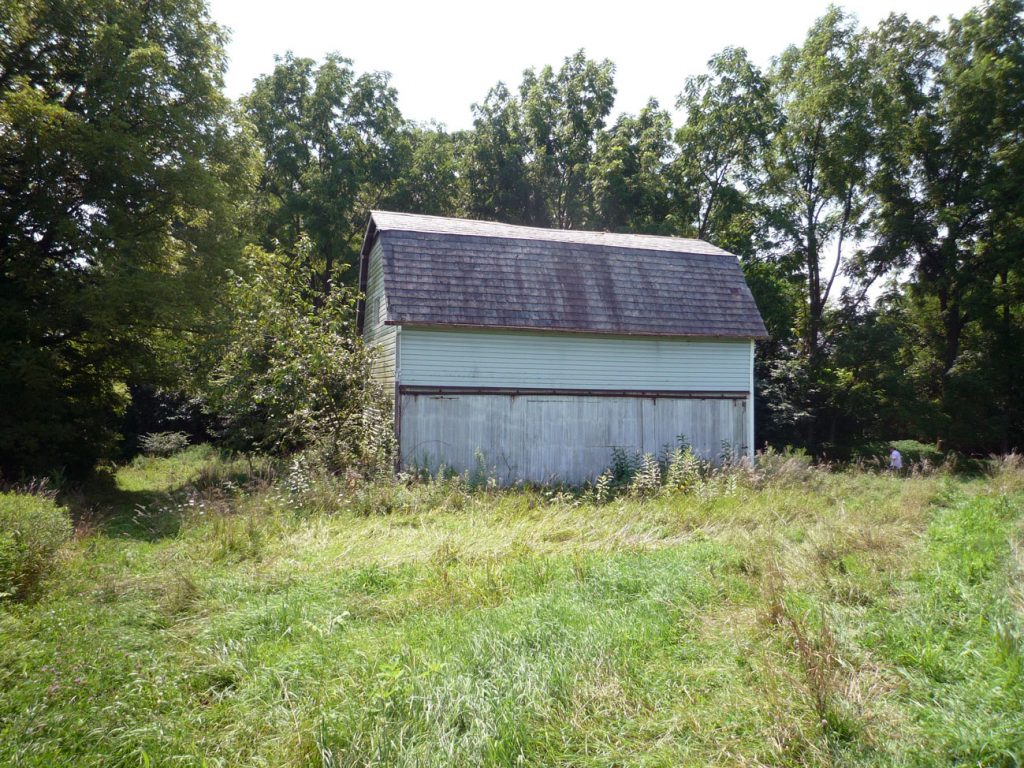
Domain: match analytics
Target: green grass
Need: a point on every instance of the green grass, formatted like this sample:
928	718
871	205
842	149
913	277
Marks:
827	619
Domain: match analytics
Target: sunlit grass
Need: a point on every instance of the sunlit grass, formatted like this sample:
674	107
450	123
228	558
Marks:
832	618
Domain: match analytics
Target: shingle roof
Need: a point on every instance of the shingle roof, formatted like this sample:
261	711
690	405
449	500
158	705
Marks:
441	271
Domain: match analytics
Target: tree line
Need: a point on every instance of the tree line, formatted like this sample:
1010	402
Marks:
169	254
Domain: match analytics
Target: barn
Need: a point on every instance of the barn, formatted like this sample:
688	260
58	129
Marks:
542	350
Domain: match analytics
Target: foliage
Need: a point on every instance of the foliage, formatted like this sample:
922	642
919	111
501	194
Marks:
292	374
868	178
947	153
32	530
330	143
432	177
816	177
912	451
152	409
729	117
629	175
684	470
562	116
163	443
120	167
496	174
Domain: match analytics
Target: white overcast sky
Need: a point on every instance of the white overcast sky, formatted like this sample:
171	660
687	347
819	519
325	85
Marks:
444	56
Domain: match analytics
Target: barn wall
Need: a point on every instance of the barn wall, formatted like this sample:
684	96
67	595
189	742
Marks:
540	438
376	334
571	361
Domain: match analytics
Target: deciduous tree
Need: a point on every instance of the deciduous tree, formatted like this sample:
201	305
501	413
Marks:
120	170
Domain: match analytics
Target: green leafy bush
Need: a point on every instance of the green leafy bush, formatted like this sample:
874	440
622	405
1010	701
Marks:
163	443
788	465
32	529
292	372
912	450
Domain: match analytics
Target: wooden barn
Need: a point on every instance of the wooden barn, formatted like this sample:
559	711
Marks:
542	349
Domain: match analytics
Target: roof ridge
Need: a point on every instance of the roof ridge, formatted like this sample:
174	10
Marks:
450	225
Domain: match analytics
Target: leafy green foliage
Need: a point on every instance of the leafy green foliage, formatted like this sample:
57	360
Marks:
912	451
562	116
163	443
946	154
496	174
130	186
530	155
432	179
816	176
630	174
331	148
32	530
120	168
729	117
291	372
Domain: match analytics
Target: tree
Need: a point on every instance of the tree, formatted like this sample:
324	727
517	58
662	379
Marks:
430	181
729	118
330	140
497	177
629	175
817	171
119	165
292	372
949	187
818	159
563	114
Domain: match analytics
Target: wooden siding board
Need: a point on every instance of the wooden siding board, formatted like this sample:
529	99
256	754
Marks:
376	334
571	361
549	438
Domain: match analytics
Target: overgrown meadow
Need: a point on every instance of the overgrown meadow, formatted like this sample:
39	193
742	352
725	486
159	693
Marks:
210	611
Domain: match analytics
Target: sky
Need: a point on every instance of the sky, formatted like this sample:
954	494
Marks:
444	56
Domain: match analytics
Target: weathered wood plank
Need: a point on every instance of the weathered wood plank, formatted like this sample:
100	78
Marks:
568	438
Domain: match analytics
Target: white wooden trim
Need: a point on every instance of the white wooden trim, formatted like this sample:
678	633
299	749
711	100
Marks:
750	408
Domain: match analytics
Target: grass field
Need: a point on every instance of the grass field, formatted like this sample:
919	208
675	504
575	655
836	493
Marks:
207	614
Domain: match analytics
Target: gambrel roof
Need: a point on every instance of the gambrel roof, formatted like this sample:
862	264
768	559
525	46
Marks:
477	274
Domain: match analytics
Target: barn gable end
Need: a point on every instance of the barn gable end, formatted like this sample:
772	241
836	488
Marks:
543	350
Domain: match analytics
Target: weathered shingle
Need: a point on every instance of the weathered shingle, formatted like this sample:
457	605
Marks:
440	271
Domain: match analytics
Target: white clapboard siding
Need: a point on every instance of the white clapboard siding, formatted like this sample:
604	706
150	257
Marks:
512	359
568	438
383	338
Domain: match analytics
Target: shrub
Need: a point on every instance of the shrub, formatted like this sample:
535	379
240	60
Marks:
292	372
647	479
787	465
163	443
912	450
32	529
684	469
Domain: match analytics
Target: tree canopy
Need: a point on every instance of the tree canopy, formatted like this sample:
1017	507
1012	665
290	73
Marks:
121	173
871	180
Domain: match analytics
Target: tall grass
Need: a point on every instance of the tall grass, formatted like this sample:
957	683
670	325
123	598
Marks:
783	614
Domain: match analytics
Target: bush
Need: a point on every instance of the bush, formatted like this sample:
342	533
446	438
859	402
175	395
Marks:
788	465
32	529
163	443
292	373
912	451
